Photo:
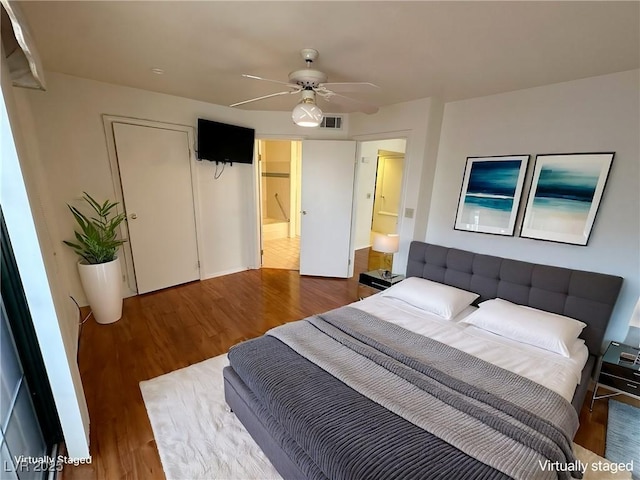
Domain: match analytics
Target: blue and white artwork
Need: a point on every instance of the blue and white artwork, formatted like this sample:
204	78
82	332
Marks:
490	194
565	194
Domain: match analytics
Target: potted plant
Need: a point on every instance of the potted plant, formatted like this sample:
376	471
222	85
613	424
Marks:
99	267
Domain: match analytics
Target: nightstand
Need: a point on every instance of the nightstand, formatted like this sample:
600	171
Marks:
617	373
373	282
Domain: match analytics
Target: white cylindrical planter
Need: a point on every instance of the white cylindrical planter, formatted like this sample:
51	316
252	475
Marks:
101	283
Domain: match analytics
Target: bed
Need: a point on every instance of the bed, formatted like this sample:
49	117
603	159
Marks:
418	382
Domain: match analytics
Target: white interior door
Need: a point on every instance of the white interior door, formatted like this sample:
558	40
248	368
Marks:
328	168
155	173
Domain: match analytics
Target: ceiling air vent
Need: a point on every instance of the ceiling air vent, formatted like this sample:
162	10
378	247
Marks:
332	122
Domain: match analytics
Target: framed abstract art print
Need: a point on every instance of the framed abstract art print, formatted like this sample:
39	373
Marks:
565	193
490	194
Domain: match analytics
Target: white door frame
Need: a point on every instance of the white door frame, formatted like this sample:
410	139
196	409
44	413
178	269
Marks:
257	191
401	134
108	121
294	187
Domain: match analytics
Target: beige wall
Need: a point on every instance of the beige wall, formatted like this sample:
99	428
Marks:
598	114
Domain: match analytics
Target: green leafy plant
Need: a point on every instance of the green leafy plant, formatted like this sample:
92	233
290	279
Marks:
97	242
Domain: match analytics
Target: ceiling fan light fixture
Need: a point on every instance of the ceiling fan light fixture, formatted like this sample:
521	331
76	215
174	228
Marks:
309	82
307	113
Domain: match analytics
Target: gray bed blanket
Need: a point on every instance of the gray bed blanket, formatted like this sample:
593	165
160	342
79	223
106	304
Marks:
364	398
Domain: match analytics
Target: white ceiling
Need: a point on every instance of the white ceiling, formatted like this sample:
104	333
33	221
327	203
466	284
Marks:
453	50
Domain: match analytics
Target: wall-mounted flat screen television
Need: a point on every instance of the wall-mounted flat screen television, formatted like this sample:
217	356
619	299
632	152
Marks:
221	142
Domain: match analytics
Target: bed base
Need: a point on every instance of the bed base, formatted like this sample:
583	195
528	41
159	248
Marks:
241	400
587	296
585	380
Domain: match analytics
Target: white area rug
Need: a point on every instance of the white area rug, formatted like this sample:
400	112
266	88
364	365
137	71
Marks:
198	438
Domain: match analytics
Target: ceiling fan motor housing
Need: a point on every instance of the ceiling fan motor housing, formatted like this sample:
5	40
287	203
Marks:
307	77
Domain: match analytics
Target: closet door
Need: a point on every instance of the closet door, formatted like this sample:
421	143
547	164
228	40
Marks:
155	173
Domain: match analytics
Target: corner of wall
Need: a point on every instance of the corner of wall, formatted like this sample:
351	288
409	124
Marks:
434	128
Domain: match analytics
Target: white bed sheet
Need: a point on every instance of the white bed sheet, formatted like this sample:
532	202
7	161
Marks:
554	371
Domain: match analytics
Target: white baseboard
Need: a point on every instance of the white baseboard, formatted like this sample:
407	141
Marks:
224	272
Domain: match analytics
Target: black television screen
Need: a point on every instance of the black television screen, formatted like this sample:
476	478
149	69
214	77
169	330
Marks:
220	142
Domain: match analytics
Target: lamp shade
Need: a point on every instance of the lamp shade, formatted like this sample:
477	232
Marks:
635	316
633	334
386	243
306	114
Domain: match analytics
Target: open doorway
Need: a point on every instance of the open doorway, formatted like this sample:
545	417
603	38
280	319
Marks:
388	187
280	203
379	193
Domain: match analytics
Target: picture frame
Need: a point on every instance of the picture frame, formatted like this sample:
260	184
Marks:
566	191
490	194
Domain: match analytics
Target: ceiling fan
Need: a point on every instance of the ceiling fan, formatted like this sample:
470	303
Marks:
312	83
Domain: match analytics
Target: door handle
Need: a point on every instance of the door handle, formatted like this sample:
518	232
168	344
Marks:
133	216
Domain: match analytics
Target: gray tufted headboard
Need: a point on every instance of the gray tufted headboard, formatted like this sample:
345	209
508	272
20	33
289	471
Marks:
586	296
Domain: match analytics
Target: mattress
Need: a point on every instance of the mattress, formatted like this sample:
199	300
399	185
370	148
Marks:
551	370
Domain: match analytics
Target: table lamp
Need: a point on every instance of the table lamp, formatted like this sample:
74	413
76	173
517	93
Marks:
387	245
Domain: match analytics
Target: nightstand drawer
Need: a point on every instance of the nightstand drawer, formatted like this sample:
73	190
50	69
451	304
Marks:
620	371
616	372
620	384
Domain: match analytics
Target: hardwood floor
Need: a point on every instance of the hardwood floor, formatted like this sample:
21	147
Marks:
593	425
163	331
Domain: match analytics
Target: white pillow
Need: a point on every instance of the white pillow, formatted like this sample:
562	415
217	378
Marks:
443	300
546	330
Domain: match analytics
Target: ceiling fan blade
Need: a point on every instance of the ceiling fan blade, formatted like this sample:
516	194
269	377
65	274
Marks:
350	103
263	97
255	77
350	86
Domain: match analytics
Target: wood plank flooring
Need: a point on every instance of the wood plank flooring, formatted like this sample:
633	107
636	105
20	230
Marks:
163	331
